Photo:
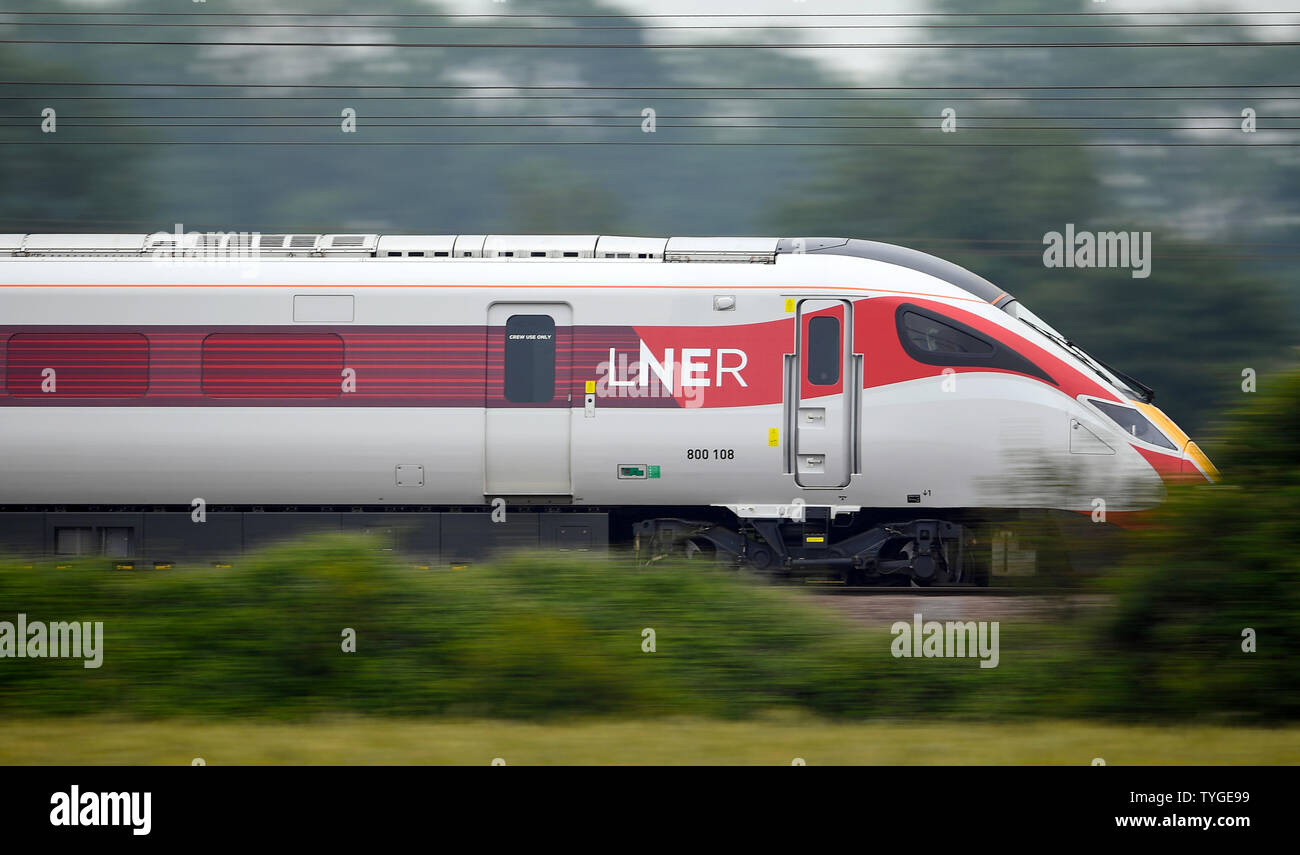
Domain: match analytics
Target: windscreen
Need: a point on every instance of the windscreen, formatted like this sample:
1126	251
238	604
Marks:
1017	310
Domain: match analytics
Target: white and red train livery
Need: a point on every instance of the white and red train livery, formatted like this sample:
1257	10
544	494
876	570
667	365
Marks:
775	400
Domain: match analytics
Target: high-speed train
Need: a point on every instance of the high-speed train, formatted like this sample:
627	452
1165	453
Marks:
793	405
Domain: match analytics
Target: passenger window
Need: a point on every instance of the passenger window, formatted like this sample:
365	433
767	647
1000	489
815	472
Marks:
272	365
933	336
823	351
530	358
78	365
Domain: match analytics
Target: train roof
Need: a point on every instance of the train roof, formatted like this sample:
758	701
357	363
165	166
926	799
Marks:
447	247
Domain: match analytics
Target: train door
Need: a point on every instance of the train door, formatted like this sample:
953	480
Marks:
823	379
527	426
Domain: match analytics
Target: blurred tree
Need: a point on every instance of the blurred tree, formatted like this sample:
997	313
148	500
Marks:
45	186
1205	621
938	198
431	182
543	193
1187	331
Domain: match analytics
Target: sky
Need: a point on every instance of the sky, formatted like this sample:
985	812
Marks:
862	64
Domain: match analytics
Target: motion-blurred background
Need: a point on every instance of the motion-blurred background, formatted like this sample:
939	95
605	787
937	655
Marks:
770	117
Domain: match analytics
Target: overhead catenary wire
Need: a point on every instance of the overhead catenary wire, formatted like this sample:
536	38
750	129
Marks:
664	92
656	143
1109	94
450	104
587	87
541	15
634	121
622	27
664	116
1266	92
1127	92
658	45
643	97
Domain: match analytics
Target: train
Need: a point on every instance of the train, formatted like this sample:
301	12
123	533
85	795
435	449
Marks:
794	406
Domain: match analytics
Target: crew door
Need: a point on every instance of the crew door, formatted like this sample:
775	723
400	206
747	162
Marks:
527	427
822	382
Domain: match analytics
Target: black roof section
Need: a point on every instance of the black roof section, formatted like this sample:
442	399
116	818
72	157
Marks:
903	257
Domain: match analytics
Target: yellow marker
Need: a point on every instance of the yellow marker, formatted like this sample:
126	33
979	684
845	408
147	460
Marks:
591	387
1195	453
789	304
773	437
815	539
1179	438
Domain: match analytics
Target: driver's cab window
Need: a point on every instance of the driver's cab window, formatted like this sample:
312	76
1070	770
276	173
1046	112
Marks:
933	336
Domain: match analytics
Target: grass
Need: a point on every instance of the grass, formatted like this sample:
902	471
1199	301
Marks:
767	741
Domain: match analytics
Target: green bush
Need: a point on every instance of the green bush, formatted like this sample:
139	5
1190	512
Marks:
1218	560
531	636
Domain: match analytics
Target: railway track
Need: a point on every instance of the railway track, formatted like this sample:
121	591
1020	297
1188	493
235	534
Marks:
933	591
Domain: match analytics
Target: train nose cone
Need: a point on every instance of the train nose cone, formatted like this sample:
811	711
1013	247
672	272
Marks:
1191	464
1197	464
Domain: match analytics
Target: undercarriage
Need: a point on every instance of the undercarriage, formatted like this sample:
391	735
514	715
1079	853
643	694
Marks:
918	552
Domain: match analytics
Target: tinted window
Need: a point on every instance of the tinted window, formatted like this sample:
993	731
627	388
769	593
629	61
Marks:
78	365
932	336
272	365
1134	423
530	358
823	351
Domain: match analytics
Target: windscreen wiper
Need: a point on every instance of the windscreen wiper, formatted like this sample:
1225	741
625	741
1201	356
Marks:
1144	392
